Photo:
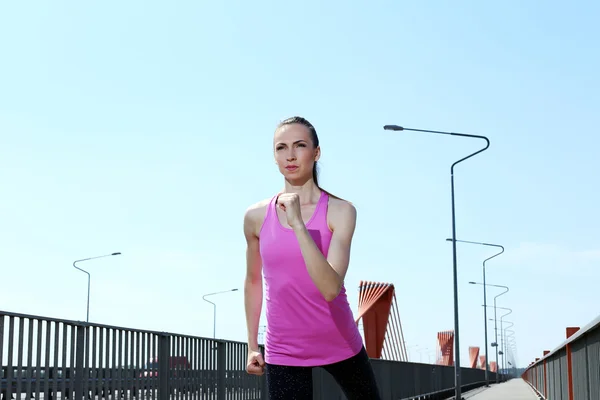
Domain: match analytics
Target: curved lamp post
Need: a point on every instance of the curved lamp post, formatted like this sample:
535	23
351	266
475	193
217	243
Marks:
457	371
215	308
87	318
495	318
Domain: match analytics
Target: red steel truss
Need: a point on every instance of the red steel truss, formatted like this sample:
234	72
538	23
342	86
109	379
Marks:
381	321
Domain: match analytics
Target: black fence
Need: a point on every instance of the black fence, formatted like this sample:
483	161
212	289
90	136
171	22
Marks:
51	359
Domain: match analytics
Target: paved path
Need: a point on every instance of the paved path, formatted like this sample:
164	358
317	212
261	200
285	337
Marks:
515	389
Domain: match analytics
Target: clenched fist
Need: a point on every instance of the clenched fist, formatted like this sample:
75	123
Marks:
255	364
290	203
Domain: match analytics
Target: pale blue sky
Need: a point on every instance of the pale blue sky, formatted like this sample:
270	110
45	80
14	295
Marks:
146	128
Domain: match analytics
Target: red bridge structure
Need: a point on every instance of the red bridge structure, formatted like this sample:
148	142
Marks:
382	327
383	334
445	350
473	356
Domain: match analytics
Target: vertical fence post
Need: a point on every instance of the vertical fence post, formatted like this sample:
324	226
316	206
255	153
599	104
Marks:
570	332
588	368
9	367
569	372
79	367
164	351
221	369
545	392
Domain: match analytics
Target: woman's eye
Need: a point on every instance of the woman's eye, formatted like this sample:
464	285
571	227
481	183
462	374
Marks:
301	145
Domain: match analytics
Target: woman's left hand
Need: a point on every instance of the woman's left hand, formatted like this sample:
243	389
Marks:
290	203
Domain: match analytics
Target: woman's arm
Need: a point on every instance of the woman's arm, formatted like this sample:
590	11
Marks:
253	295
328	274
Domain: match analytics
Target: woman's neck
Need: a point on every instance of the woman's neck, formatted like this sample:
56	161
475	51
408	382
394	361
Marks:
308	192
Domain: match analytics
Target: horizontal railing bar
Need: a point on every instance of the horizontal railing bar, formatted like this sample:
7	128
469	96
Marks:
121	328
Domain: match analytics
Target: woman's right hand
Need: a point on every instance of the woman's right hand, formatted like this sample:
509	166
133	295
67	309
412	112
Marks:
256	363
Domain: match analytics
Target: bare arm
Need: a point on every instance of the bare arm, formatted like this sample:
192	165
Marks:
253	295
328	274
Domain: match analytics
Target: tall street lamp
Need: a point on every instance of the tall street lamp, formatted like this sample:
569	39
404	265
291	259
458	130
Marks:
495	319
487	370
87	318
215	308
457	371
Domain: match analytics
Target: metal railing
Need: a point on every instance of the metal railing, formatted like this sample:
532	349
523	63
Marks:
572	370
51	359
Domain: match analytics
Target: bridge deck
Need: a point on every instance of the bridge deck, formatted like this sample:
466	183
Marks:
515	389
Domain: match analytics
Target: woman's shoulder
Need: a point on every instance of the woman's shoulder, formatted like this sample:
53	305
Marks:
255	214
341	206
340	212
258	207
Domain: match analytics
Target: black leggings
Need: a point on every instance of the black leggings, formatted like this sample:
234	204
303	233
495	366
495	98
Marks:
354	375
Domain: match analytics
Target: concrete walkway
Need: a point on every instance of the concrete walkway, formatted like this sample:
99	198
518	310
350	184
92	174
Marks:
515	389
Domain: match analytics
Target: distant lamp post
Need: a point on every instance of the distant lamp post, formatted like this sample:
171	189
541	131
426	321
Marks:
87	318
215	308
495	319
503	334
420	351
511	347
408	350
261	334
502	352
504	330
501	308
487	368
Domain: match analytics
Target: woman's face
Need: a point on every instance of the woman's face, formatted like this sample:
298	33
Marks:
295	153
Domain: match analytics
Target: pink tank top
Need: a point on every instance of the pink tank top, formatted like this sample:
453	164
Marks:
303	329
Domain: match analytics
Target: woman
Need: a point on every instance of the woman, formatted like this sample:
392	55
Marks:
300	240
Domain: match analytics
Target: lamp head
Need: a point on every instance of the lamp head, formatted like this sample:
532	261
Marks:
393	128
448	240
234	290
472	283
115	254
